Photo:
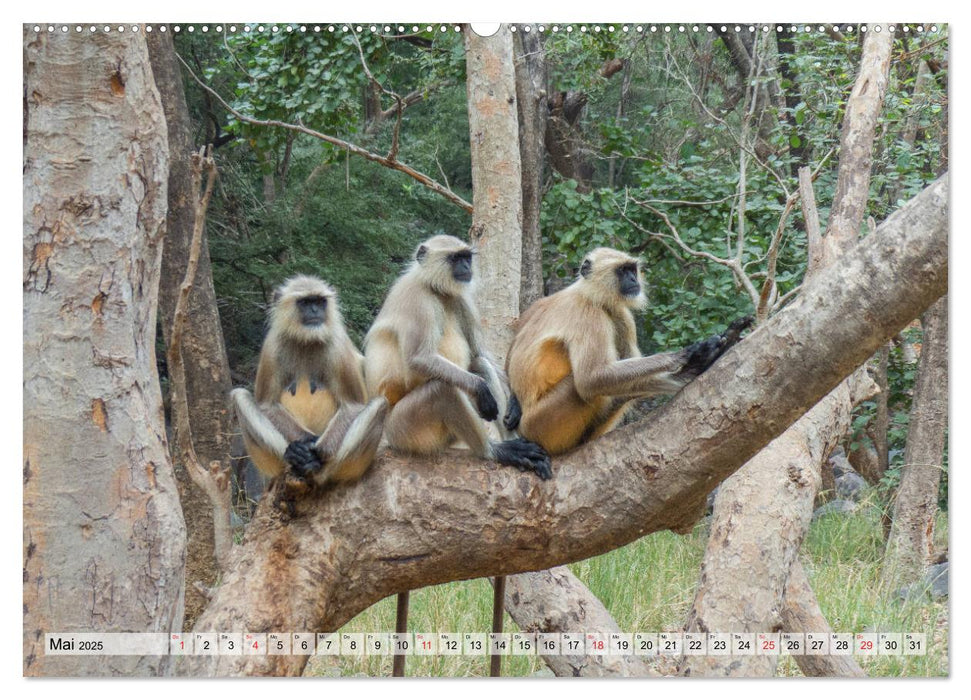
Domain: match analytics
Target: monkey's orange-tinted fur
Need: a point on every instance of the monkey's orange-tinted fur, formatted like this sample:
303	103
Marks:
313	410
265	461
565	339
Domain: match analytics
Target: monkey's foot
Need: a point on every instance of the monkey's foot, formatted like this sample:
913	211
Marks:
514	413
302	458
525	455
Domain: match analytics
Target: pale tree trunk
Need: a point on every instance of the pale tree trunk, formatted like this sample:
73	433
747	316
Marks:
762	513
356	544
911	541
104	541
207	367
497	196
525	597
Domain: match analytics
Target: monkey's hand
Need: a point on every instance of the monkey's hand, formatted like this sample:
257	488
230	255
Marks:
702	355
514	413
302	458
525	455
485	402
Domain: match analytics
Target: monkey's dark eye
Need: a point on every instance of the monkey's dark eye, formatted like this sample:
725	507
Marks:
313	310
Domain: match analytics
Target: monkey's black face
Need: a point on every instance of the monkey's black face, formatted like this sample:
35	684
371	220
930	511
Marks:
313	310
627	280
461	265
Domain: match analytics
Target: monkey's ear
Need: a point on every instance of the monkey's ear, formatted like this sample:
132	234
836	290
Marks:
421	253
586	268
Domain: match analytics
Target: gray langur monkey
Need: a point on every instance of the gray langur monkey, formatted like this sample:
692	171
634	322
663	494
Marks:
424	354
310	416
574	366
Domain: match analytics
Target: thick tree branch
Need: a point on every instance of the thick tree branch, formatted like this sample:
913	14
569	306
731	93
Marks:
410	523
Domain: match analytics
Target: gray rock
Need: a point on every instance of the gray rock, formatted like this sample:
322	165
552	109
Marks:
937	579
934	584
834	507
850	486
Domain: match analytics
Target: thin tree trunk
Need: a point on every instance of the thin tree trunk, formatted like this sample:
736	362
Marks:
531	77
911	541
356	544
801	614
104	540
206	365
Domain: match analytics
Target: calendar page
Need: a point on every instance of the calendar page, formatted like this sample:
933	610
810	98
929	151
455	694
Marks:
372	349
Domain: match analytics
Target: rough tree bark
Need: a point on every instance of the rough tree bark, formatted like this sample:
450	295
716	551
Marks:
533	111
762	514
497	197
206	365
104	540
410	523
910	545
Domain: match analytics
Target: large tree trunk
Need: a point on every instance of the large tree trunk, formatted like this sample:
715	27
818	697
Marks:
762	513
911	541
104	541
206	365
410	523
497	196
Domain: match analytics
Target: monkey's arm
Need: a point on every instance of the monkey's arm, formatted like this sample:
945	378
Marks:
664	373
350	376
419	345
269	385
636	377
598	372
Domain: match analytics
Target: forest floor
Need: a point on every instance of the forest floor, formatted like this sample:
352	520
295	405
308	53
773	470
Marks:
649	585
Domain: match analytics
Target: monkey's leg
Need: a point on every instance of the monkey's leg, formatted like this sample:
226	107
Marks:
434	415
560	419
269	432
350	442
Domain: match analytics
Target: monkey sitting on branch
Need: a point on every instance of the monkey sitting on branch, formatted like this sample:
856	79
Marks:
574	366
424	354
310	417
